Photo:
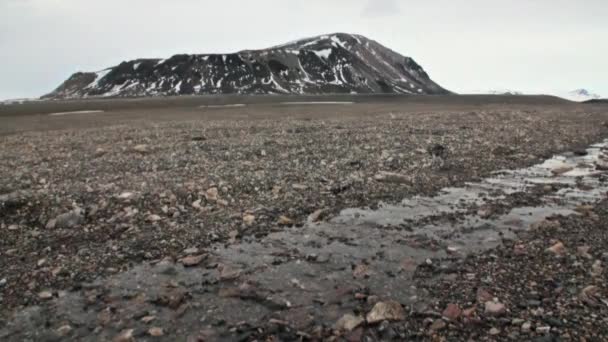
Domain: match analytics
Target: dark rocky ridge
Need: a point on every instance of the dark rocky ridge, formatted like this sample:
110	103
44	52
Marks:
337	63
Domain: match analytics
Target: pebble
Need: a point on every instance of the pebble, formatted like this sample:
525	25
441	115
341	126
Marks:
154	218
526	327
156	332
248	219
348	322
64	330
597	269
386	311
192	260
391	177
68	220
285	221
211	194
543	330
495	308
45	295
438	325
125	336
142	148
494	331
557	249
148	319
191	251
452	312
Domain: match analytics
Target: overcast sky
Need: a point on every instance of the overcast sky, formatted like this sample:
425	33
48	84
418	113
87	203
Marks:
528	45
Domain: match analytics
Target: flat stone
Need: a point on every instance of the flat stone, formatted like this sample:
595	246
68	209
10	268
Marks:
386	311
192	260
348	322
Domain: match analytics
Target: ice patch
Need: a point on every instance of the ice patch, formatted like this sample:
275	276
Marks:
224	106
317	103
76	112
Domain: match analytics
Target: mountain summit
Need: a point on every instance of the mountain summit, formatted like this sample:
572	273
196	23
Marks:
336	63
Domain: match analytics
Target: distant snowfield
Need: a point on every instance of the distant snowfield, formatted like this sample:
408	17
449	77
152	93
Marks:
224	106
317	103
76	112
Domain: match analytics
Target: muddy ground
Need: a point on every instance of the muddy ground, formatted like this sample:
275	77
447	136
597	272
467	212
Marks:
188	223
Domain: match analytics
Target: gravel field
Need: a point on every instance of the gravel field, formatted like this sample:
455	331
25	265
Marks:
93	196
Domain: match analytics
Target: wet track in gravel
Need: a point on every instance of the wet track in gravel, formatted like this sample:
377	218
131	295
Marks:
313	274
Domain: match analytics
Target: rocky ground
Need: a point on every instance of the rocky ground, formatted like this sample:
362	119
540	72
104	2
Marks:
86	204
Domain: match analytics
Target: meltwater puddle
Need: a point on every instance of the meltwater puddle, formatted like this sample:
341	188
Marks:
311	275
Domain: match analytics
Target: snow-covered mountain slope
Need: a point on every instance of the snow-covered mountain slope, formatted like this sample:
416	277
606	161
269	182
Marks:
336	63
579	95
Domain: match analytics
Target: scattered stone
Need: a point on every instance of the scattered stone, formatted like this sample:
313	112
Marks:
99	152
348	322
362	271
438	325
583	251
597	269
142	149
125	336
543	330
192	260
470	312
526	327
64	330
156	332
495	308
2	282
561	170
484	296
45	295
391	177
197	204
389	311
300	187
557	249
191	251
285	221
228	272
452	312
148	319
494	331
126	196
248	219
317	215
154	218
211	194
589	295
68	220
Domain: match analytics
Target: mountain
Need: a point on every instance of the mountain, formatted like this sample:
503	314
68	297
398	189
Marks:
335	63
501	91
580	95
